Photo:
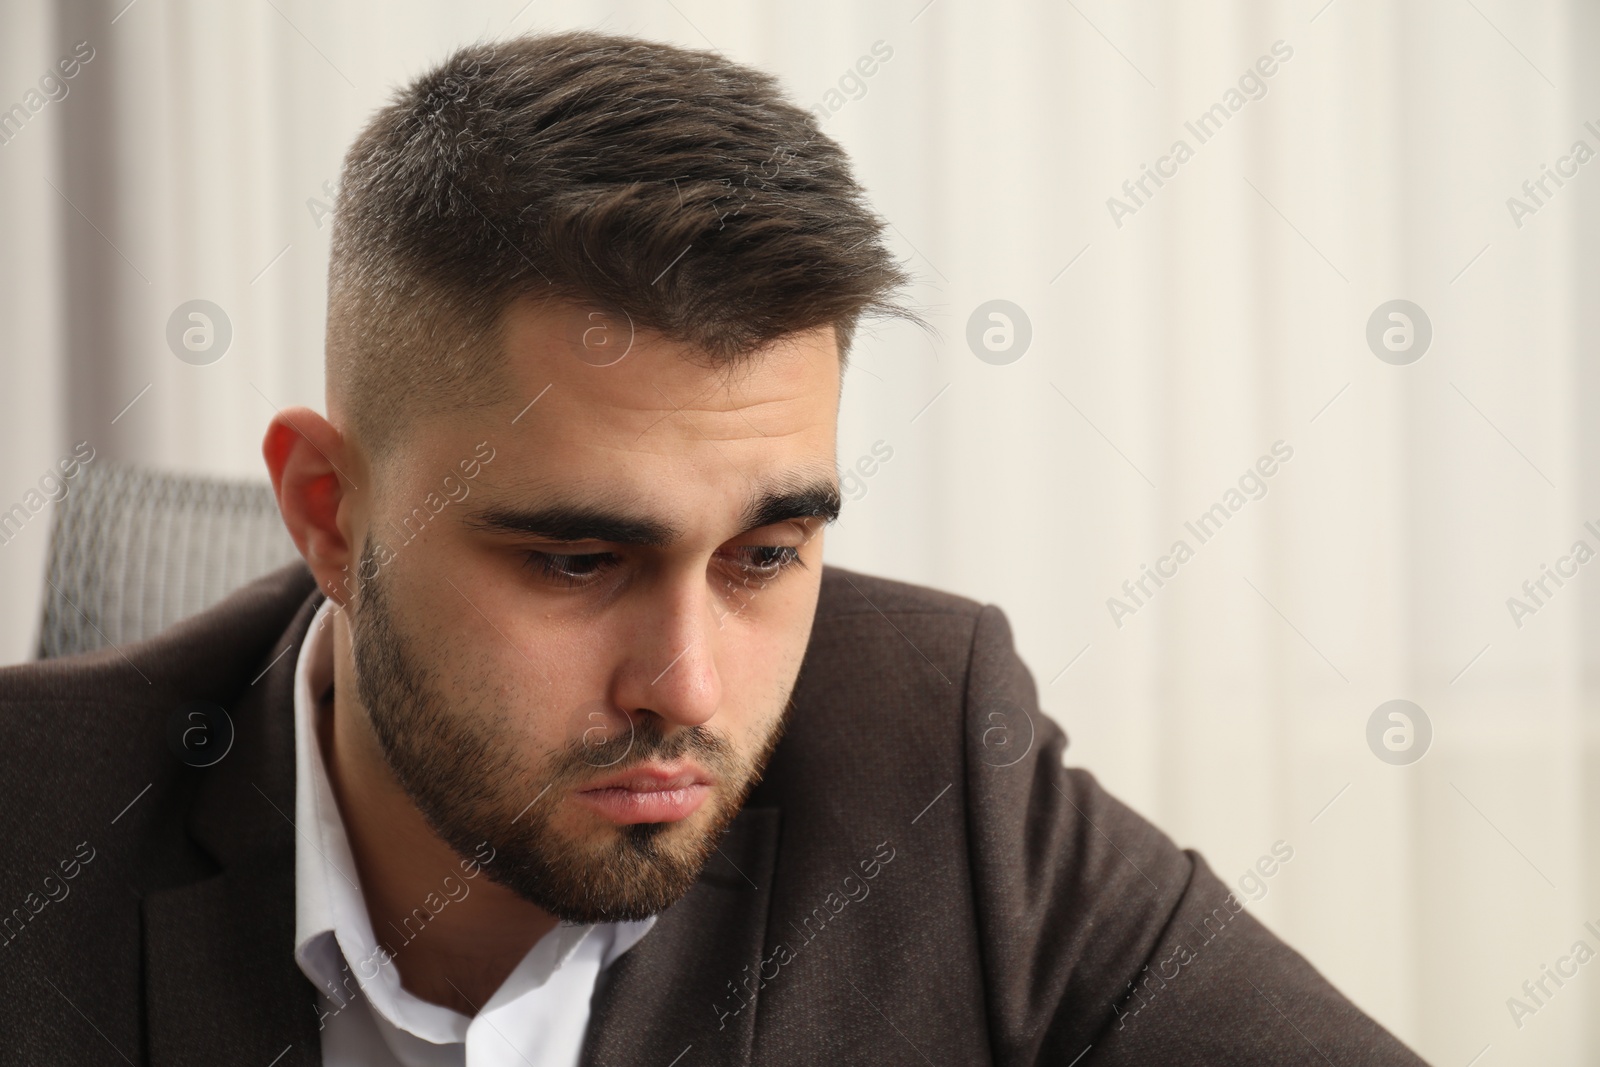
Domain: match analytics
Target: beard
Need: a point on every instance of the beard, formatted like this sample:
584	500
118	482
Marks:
467	774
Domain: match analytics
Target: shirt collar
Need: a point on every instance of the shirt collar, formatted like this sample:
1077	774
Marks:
334	942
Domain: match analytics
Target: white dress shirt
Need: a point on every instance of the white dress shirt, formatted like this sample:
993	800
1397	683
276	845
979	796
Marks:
539	1014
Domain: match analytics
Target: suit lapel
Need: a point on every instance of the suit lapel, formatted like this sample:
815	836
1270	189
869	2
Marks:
680	986
222	984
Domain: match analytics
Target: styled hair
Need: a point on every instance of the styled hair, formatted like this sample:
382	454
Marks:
673	185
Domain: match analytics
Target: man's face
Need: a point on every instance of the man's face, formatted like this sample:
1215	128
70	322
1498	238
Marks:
582	611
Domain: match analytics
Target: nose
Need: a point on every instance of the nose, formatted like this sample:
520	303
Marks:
670	669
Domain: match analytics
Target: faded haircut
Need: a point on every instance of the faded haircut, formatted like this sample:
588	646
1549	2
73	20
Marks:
675	186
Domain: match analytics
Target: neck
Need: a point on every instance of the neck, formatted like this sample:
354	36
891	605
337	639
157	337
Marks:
454	935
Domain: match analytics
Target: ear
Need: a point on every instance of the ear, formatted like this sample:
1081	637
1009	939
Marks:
310	463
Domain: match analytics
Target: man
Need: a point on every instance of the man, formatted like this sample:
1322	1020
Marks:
563	745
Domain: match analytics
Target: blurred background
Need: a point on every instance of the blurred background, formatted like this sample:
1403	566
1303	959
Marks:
1300	286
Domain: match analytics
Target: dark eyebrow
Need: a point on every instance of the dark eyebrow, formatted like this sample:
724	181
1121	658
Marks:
813	500
581	521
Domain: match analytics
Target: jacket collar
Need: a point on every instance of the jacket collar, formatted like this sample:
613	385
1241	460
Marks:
222	982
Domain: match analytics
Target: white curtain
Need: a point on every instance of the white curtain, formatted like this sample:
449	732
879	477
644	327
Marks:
1338	156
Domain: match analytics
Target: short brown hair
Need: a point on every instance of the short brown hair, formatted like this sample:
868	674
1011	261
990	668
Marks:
674	185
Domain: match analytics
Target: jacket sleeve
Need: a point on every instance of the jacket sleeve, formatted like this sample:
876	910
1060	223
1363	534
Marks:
1103	943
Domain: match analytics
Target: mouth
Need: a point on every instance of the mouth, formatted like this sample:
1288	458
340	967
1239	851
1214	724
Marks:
648	793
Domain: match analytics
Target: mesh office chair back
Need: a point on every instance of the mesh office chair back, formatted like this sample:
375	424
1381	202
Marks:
133	551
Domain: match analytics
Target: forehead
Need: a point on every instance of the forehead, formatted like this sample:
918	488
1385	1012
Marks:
584	381
595	412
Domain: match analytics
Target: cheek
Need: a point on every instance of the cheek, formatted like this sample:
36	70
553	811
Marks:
490	685
499	650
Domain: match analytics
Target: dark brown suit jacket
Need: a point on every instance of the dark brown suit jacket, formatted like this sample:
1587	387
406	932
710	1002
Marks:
918	880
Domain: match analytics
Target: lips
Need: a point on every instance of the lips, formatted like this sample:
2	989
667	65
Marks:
660	793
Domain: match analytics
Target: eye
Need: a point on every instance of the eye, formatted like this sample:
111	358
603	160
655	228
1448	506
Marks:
569	569
762	563
767	561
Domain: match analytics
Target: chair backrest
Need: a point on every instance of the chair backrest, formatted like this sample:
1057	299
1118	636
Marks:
133	551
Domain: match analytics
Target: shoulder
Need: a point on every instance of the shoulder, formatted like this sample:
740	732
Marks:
906	692
917	724
905	646
930	663
82	735
886	675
